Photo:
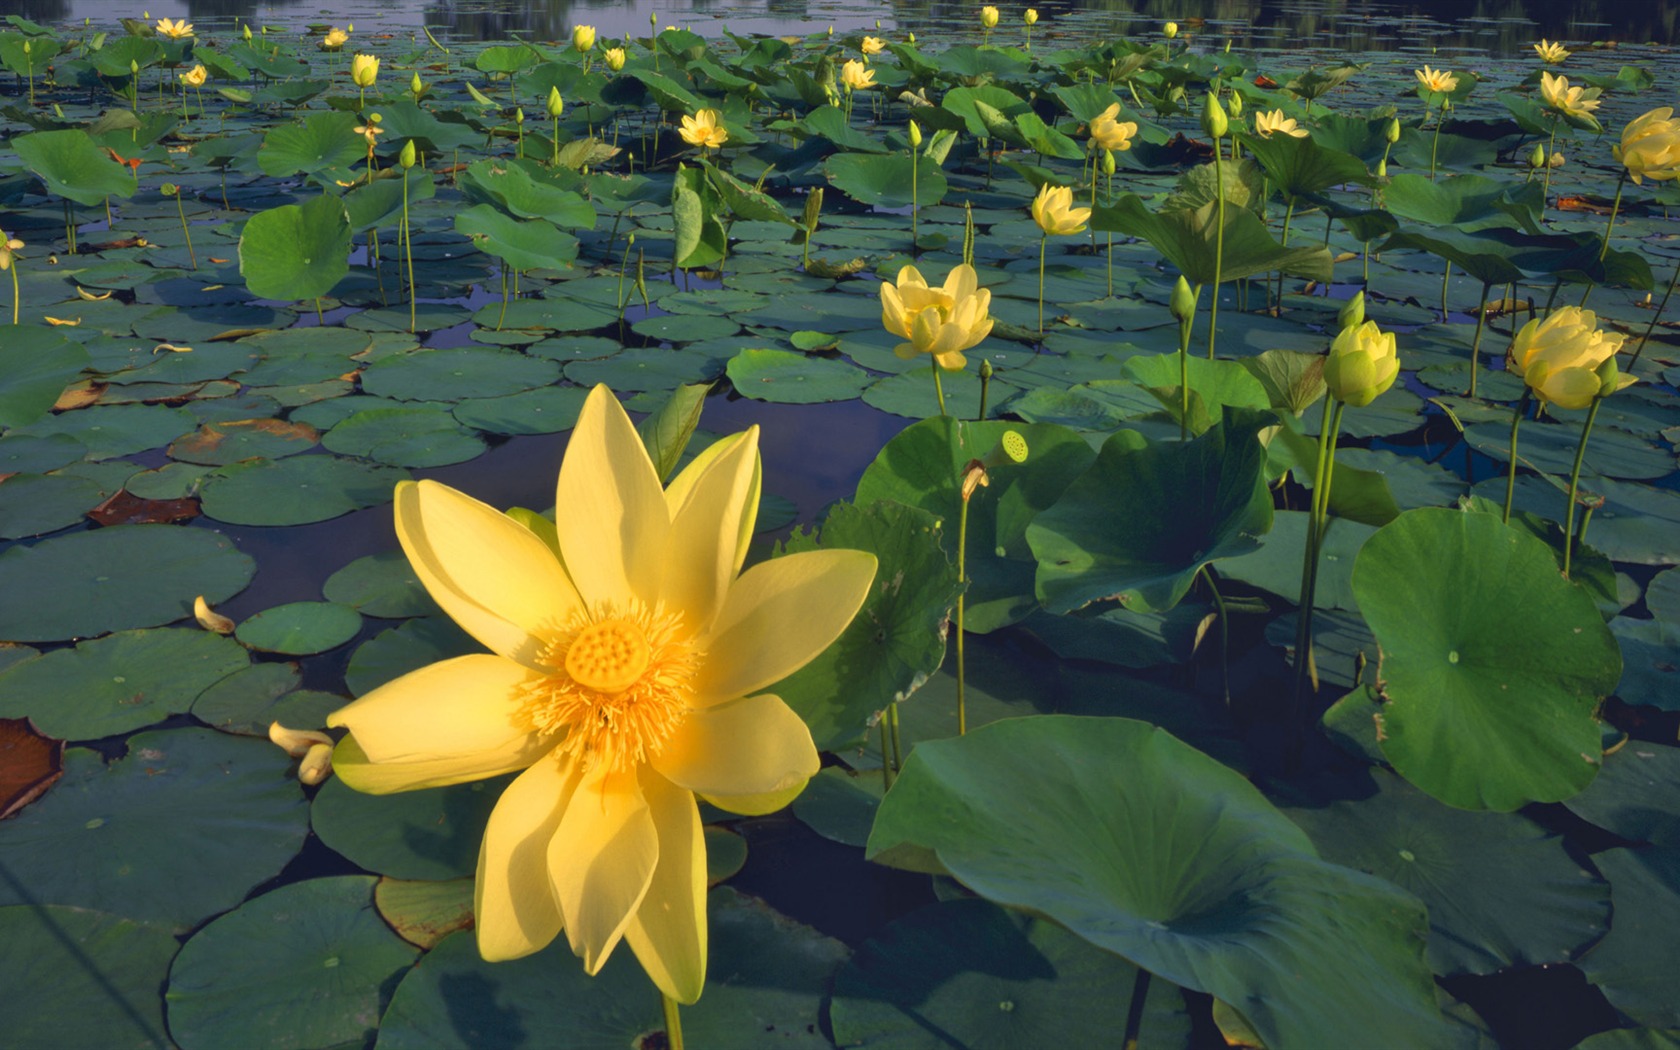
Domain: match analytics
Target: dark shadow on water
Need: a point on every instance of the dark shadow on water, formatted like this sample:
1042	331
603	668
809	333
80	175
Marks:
470	1000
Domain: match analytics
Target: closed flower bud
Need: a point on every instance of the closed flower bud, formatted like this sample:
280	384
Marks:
1108	162
406	157
1362	364
1393	130
614	57
1031	17
1214	120
416	86
988	16
1609	377
555	105
364	70
1236	105
1183	302
1560	356
583	38
1171	29
1537	156
1353	314
915	135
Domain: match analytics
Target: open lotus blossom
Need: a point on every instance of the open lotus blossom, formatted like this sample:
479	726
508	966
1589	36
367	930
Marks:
1650	146
1436	80
194	77
872	45
1550	52
173	29
942	321
703	130
1362	364
856	76
1109	132
583	38
1558	356
1275	123
335	39
1054	212
629	657
614	57
364	70
1570	101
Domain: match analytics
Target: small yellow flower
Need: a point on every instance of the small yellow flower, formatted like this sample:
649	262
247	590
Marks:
1650	146
872	45
335	39
989	16
1275	123
369	131
941	321
583	39
174	30
1550	52
1362	364
9	248
1438	81
1559	356
1570	101
194	77
364	70
1170	30
1031	16
1109	132
704	130
1054	212
614	57
856	76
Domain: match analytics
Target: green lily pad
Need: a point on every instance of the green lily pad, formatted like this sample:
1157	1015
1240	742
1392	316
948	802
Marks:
300	628
430	834
109	431
1632	966
885	180
36	364
652	368
840	805
400	650
321	142
405	437
1276	566
524	244
1637	795
456	373
248	700
1152	850
218	444
296	490
308	964
116	578
1662	596
424	913
178	830
71	165
1188	239
57	999
296	251
1493	663
546	410
380	585
790	378
36	504
1649	648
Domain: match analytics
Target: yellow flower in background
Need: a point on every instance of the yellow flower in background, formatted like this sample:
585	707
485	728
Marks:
583	38
1275	123
1570	101
872	45
703	130
1054	212
1170	30
1362	364
1558	356
174	30
629	654
856	76
335	39
1550	52
989	17
614	57
1031	16
9	247
1437	80
1650	146
1109	132
194	77
364	70
941	321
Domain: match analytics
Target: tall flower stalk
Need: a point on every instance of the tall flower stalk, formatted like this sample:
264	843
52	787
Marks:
1054	212
1216	124
406	160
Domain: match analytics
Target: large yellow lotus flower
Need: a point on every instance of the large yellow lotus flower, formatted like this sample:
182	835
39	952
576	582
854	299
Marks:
1054	212
872	45
583	38
1650	146
174	30
1550	52
364	70
989	17
1436	80
1559	356
856	76
941	321
194	77
1362	364
1109	132
614	57
1570	101
335	39
629	655
703	130
1275	123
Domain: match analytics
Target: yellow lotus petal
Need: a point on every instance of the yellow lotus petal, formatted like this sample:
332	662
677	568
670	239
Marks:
612	520
493	576
777	616
462	711
892	311
757	805
707	543
387	778
601	861
668	932
682	486
514	909
756	745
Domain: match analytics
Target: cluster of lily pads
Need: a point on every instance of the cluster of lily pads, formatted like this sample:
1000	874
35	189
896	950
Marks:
1323	717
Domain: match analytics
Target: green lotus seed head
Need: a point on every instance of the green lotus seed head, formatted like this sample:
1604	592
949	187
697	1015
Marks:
1014	445
169	189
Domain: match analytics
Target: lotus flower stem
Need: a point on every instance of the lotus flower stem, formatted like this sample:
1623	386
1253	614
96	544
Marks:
1476	340
962	581
1043	247
1435	142
892	721
1224	635
1134	1014
914	202
1323	472
1108	192
939	388
1574	485
1615	207
1511	475
1219	250
1288	217
69	226
673	1023
408	250
1654	318
985	385
886	760
1546	178
17	296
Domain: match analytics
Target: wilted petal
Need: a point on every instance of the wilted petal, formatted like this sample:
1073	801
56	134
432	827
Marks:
710	531
513	899
601	860
756	745
611	516
668	932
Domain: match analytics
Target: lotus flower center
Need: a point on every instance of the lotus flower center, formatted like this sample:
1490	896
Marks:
608	657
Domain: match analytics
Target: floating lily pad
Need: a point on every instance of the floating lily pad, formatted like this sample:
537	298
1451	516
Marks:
218	444
55	998
296	490
403	649
36	364
424	913
380	585
109	431
653	368
405	437
430	834
300	628
1276	566
36	504
786	377
1633	965
453	374
840	805
546	410
1637	795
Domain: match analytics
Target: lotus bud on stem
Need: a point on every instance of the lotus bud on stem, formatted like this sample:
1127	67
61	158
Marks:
169	189
813	213
1183	307
9	248
1011	449
1216	124
915	157
406	160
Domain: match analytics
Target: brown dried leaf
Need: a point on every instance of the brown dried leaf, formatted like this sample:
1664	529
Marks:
30	763
125	508
79	395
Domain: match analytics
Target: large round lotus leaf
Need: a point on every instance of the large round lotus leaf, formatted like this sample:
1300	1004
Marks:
1662	596
300	628
118	683
684	328
523	244
1650	672
1152	850
296	251
380	585
1632	1039
54	998
1551	447
789	378
886	180
31	454
1501	890
912	394
430	834
456	373
546	410
319	143
109	431
1493	664
424	913
1635	963
36	504
898	637
70	165
296	490
179	829
768	978
429	317
574	347
1637	795
305	966
218	444
561	315
115	578
1209	500
817	313
36	364
245	701
840	805
651	368
194	325
968	973
400	650
405	437
1276	566
922	466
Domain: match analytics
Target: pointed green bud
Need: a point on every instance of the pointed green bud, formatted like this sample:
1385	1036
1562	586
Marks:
915	135
1382	168
519	115
1393	130
1214	120
1353	314
555	105
1236	105
406	158
1609	377
1183	302
416	87
1537	158
813	210
985	369
1108	162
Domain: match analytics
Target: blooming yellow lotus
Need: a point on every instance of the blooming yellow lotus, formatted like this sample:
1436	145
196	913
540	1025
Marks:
629	655
583	38
872	45
941	321
1362	364
335	39
364	70
989	17
1275	123
194	77
1438	81
1570	101
1109	132
1558	356
856	76
1650	146
703	130
1054	212
614	57
174	30
1550	52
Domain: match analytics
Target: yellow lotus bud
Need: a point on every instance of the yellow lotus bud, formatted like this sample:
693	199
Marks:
555	105
985	369
1560	356
1214	120
1353	314
1183	301
519	115
1393	132
989	16
1236	105
1537	156
245	31
911	38
1171	29
1054	212
1031	17
364	70
1382	168
1108	162
614	57
915	135
416	87
583	38
1362	364
406	157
